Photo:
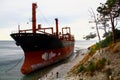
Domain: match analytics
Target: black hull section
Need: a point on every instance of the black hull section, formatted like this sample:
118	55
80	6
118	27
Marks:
36	42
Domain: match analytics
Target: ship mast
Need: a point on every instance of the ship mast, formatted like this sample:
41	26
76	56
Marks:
34	6
56	21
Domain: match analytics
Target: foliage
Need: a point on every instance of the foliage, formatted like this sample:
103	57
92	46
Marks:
100	64
105	42
117	34
90	36
111	6
111	9
81	68
114	5
108	40
106	34
93	49
91	66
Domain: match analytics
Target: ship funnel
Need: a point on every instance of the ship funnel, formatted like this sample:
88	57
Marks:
34	6
56	21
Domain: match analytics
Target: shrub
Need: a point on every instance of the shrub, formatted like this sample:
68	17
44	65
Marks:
108	39
100	63
117	34
105	42
91	66
81	68
93	49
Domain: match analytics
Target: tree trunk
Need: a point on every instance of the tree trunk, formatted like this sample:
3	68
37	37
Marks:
97	31
113	28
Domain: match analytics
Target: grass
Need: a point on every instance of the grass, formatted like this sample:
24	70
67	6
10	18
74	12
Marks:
81	68
93	65
100	64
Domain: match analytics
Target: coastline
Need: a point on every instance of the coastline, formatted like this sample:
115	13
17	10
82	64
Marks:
105	65
64	68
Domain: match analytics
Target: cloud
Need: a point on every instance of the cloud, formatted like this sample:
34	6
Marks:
73	13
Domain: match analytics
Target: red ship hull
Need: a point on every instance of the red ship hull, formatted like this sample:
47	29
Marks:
37	59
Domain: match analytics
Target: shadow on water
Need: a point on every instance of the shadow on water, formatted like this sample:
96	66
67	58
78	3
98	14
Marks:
43	71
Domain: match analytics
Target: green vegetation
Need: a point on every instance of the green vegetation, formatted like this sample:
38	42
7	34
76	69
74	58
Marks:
117	34
108	16
92	51
81	68
108	40
104	43
92	66
100	64
109	12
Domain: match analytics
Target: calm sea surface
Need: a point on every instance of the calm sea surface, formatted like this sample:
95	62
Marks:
11	59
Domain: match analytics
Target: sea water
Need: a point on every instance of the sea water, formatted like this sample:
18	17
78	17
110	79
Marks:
10	60
12	57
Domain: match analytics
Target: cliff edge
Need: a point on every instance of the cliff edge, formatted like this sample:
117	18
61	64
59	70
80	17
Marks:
103	64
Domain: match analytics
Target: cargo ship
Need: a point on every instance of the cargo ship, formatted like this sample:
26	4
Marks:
43	46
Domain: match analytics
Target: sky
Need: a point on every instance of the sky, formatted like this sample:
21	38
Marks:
70	13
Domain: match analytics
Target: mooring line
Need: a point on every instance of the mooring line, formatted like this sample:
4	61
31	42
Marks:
9	69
